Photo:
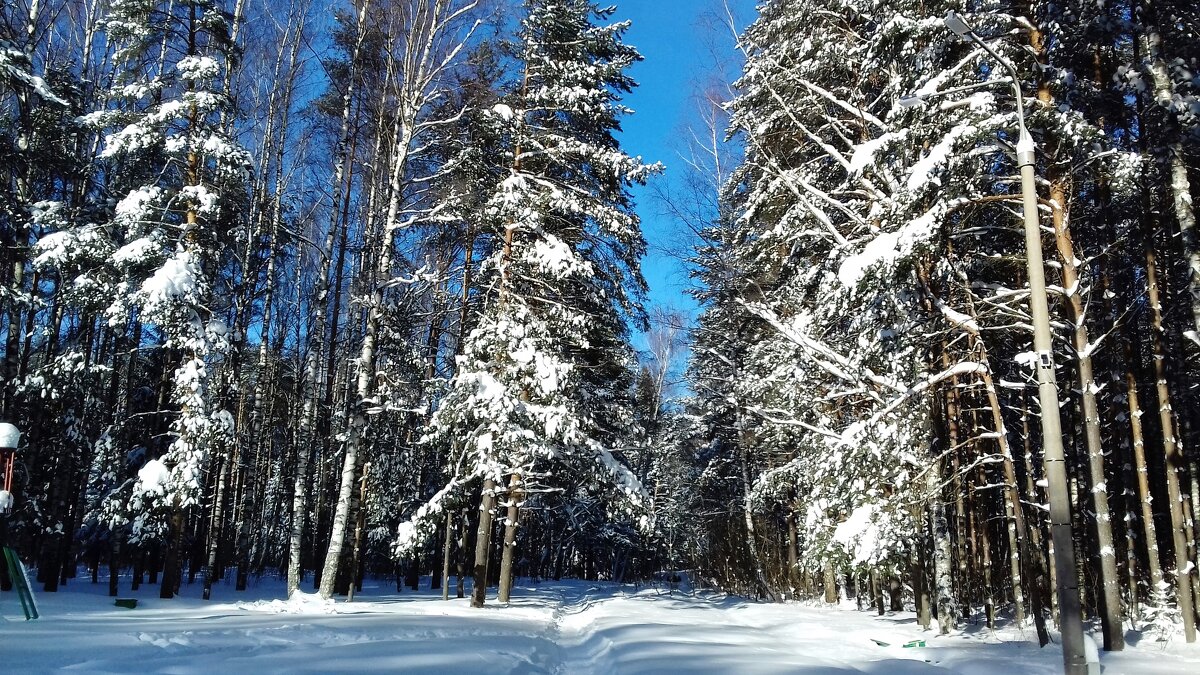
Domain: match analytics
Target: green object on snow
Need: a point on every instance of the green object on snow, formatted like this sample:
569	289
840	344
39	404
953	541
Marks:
914	643
881	643
20	581
127	603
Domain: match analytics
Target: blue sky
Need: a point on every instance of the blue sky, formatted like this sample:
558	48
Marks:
675	38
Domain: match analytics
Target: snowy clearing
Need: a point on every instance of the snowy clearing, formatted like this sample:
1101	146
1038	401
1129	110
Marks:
566	627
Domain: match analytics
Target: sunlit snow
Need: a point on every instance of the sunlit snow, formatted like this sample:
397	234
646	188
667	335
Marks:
567	627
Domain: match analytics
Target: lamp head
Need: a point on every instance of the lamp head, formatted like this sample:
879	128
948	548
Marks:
9	436
956	24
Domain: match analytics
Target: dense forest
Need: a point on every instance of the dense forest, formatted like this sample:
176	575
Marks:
325	291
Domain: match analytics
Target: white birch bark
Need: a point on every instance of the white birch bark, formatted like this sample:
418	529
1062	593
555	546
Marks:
1178	182
430	48
311	387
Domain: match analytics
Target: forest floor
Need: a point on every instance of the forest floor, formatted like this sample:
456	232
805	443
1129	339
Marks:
561	628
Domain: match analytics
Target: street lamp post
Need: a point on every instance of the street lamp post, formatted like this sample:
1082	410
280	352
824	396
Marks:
9	437
1070	612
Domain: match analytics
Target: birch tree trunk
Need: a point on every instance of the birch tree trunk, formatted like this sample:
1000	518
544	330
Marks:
318	307
359	526
428	52
215	527
1178	183
337	535
760	576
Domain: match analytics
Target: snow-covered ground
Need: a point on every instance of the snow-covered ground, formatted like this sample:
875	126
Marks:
567	628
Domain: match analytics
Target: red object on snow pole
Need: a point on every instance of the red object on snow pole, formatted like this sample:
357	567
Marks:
9	437
8	457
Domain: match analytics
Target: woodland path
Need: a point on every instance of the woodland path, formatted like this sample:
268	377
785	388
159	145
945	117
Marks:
562	628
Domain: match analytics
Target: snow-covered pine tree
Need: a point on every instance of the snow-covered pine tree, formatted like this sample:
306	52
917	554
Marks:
867	233
28	200
47	381
813	123
175	175
525	409
822	375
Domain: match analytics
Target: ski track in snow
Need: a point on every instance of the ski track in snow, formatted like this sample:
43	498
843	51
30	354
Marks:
551	628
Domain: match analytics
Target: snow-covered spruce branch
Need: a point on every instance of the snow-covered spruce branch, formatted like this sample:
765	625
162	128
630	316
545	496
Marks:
826	357
775	417
424	524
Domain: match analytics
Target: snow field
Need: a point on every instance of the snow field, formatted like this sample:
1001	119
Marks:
555	628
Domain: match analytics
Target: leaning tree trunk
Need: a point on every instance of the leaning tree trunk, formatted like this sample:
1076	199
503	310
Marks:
1172	453
954	436
1020	557
1149	531
1110	590
368	357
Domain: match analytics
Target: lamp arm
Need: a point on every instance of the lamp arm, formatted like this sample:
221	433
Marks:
1025	146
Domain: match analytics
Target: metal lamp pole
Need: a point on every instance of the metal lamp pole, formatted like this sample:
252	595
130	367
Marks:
1070	612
